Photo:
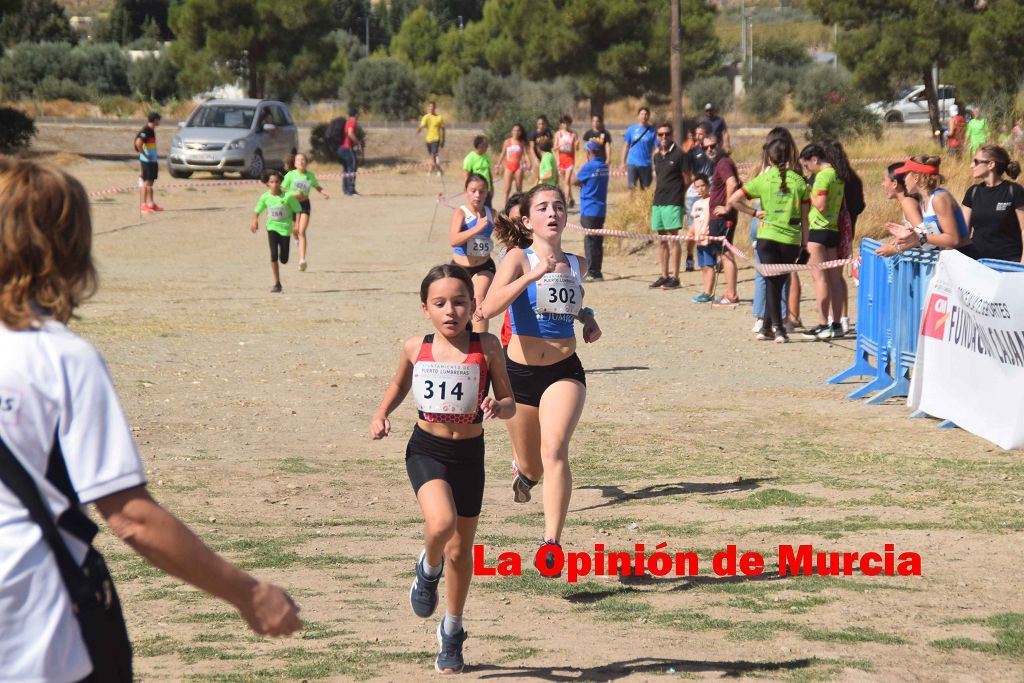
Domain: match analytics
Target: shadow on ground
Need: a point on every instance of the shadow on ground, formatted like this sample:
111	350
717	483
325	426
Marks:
616	670
618	495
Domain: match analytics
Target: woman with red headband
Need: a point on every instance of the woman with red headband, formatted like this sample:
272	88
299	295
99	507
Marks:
943	225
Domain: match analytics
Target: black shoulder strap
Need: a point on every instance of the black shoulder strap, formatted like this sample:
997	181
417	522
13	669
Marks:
428	338
14	475
73	520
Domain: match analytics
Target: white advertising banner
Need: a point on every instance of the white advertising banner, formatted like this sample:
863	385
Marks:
970	353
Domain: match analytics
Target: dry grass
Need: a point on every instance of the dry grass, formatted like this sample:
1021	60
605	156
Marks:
108	107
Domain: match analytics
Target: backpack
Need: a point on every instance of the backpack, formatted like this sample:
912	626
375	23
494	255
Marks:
335	133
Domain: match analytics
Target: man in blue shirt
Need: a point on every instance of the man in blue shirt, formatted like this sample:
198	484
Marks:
718	127
637	147
592	180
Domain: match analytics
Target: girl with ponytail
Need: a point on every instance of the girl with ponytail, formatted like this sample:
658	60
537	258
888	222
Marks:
541	285
782	227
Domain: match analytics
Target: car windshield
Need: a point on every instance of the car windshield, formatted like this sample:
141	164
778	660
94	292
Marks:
223	117
903	93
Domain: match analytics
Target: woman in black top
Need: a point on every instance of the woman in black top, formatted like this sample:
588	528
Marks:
994	208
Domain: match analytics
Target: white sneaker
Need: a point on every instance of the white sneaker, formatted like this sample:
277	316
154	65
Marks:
758	324
845	322
302	264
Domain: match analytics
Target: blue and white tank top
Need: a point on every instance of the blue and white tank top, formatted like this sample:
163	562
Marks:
548	308
928	216
480	244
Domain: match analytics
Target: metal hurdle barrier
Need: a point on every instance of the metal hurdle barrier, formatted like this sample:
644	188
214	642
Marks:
914	271
1002	266
873	304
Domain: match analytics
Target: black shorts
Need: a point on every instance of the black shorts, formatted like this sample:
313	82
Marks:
458	462
306	207
485	267
279	245
592	222
826	238
150	170
432	147
529	382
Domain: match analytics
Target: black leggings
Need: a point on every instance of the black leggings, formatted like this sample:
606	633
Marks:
770	251
458	462
279	246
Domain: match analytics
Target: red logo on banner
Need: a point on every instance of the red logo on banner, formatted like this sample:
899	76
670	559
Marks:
935	317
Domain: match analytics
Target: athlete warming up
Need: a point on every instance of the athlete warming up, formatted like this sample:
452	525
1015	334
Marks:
301	181
449	373
470	237
540	284
281	209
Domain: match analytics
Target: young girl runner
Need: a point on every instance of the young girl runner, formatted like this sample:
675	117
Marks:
281	209
568	143
470	237
541	287
449	373
517	162
300	181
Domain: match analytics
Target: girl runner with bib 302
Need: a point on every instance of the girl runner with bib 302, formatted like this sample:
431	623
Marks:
448	372
541	287
301	182
470	237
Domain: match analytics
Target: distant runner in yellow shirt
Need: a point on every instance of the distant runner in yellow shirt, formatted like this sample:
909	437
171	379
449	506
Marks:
434	126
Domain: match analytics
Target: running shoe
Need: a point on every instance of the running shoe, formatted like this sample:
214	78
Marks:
703	298
548	557
449	656
781	337
423	594
670	283
154	207
276	289
727	302
145	208
763	335
813	332
689	265
833	331
658	283
520	487
593	277
845	323
758	325
302	264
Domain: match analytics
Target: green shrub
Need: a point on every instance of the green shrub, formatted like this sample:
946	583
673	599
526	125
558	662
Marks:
715	89
764	101
319	148
153	79
100	66
24	67
480	95
53	88
384	86
16	130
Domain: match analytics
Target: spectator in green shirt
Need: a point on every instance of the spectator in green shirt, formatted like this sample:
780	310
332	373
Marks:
547	171
977	131
479	162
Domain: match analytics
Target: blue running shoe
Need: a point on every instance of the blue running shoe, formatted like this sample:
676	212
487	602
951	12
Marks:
423	594
449	656
702	298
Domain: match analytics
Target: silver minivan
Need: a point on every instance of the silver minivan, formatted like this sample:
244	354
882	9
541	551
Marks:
911	106
233	136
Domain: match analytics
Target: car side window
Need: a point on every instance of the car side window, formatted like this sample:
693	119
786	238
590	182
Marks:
279	116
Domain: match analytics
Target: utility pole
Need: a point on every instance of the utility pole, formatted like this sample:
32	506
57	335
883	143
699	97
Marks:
750	47
677	76
743	31
367	19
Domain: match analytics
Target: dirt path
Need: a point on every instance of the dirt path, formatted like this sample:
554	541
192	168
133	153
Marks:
251	412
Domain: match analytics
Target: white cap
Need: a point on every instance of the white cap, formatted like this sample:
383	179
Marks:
708	106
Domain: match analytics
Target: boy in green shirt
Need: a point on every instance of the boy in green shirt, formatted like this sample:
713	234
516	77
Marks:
479	162
281	209
546	171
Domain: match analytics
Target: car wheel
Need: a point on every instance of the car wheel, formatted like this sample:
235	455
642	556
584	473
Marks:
894	117
255	170
179	174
